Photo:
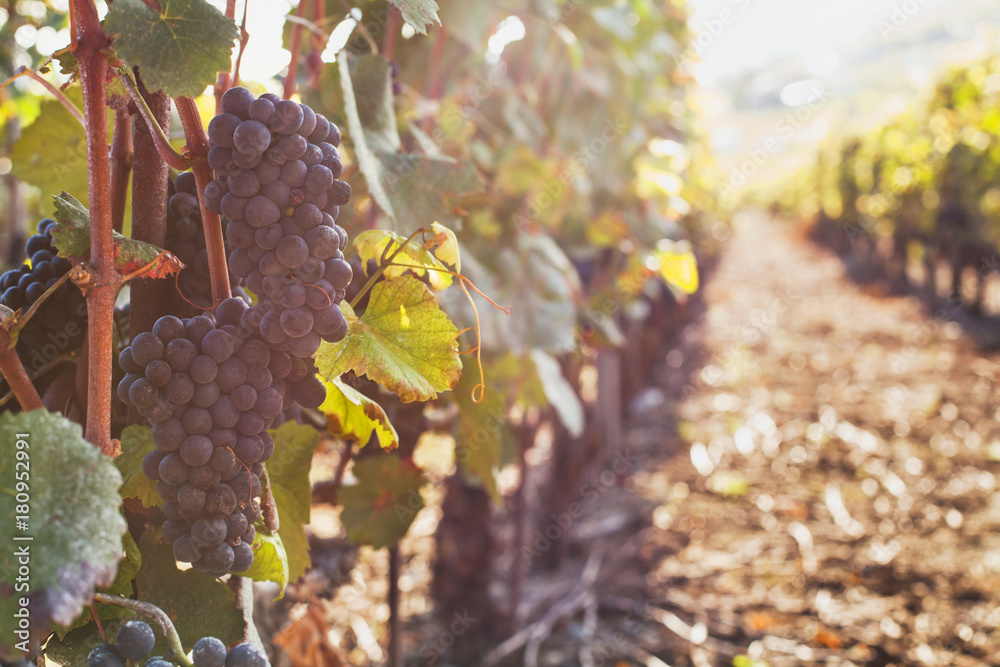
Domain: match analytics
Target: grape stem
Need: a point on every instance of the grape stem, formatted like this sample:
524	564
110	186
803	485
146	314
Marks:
223	81
91	47
58	94
160	139
13	372
384	265
153	613
197	141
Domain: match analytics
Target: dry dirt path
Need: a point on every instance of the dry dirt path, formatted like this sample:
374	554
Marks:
832	497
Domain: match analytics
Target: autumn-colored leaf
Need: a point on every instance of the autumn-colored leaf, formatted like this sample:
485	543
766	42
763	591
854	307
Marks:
134	259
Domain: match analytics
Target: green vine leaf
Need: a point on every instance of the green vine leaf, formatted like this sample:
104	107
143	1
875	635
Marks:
371	76
559	392
72	237
288	469
198	604
423	188
51	153
379	509
353	416
74	521
270	560
403	341
179	49
137	441
412	189
418	13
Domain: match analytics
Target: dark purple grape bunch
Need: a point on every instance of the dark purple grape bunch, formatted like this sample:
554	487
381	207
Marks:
135	641
186	240
277	168
59	324
210	394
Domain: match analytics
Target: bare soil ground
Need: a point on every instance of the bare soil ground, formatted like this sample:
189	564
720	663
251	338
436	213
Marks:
833	496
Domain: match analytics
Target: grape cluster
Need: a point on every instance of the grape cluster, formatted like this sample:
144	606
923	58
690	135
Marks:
58	326
186	240
277	168
210	394
211	389
135	640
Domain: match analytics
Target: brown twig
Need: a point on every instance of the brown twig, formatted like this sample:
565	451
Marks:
58	94
392	31
162	142
435	82
326	492
571	604
314	62
244	38
519	568
121	167
296	48
395	625
92	48
13	372
267	507
197	142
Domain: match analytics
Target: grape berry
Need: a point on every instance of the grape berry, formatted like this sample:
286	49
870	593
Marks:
135	640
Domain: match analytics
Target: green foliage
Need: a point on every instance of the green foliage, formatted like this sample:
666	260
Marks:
51	153
179	49
403	341
270	560
540	279
379	509
412	189
72	237
137	441
418	13
415	257
75	521
288	469
559	393
351	415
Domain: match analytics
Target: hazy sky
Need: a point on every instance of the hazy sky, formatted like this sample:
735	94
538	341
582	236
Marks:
760	31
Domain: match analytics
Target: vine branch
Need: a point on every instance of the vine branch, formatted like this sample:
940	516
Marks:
91	49
296	48
149	212
121	167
